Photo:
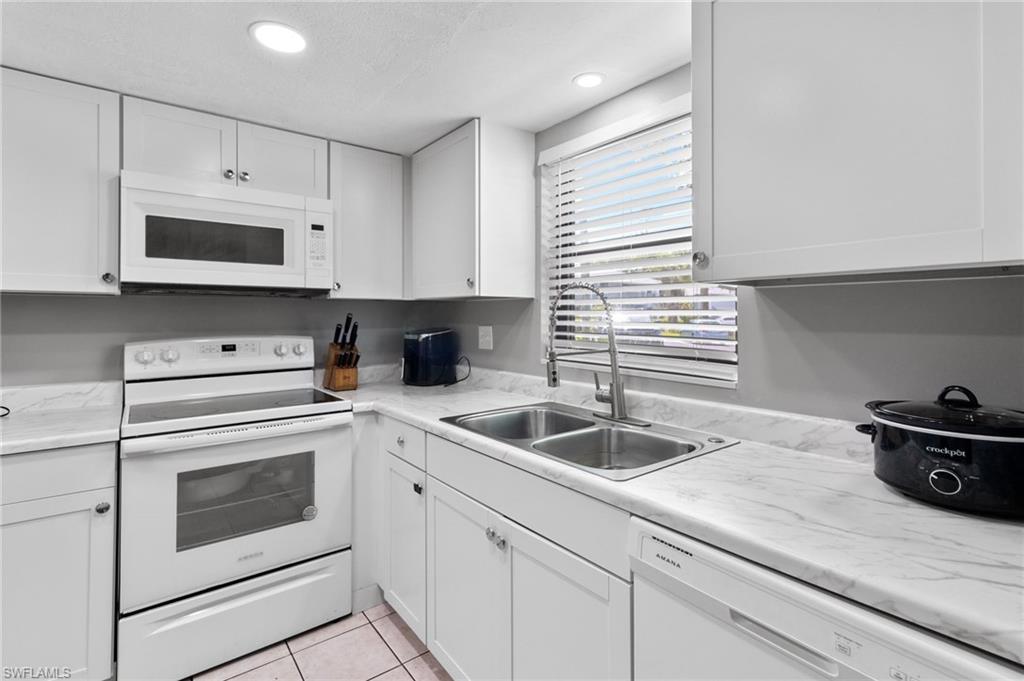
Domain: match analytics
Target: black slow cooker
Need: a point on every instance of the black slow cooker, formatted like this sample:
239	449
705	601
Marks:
953	452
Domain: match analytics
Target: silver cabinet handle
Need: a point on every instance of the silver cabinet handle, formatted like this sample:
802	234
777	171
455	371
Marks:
229	174
701	259
245	176
469	282
108	278
337	286
102	507
495	538
400	440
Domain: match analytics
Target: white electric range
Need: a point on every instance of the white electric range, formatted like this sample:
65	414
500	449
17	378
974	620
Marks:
236	502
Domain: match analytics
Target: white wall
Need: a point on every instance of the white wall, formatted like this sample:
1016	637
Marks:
821	350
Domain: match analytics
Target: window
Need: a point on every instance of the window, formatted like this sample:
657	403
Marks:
620	218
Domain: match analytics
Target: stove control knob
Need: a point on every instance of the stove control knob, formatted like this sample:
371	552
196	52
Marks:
281	349
945	481
299	349
144	357
170	355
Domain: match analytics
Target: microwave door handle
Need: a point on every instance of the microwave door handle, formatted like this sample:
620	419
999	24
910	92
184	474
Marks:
175	442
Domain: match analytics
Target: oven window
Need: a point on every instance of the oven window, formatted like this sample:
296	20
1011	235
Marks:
180	239
224	502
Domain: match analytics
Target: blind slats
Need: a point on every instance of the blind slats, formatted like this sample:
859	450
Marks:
620	218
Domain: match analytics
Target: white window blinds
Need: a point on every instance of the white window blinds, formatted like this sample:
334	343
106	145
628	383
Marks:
620	218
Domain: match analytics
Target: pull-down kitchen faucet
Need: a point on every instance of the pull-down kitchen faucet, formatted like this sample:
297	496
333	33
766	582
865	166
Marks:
615	393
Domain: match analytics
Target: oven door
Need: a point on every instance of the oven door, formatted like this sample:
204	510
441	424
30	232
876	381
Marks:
180	233
201	508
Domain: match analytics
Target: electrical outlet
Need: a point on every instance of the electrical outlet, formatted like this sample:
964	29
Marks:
486	337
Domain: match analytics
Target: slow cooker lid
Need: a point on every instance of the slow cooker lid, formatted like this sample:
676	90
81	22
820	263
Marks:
957	415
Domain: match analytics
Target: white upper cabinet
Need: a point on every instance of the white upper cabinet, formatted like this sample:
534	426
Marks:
281	161
367	190
851	138
473	208
169	140
61	153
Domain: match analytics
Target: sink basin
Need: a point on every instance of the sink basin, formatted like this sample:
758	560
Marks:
590	441
614	449
528	423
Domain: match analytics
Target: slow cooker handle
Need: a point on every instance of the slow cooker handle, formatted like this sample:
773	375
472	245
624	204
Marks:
972	400
867	429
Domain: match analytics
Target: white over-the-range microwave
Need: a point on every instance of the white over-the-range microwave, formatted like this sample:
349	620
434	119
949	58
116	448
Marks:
182	234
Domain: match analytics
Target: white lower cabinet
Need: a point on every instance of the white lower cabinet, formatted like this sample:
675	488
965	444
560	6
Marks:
570	620
58	585
469	596
404	578
505	603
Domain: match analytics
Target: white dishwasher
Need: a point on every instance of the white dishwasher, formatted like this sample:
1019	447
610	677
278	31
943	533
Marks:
700	614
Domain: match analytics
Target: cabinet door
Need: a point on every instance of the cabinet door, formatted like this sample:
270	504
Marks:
446	215
405	543
281	161
866	157
57	584
468	595
61	154
559	597
367	193
168	140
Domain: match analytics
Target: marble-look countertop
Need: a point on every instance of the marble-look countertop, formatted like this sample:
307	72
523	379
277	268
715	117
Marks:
55	416
822	519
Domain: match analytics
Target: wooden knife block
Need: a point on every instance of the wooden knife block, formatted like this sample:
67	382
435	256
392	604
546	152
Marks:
339	378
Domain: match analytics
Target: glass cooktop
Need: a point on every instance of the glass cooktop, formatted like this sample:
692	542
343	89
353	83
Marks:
229	404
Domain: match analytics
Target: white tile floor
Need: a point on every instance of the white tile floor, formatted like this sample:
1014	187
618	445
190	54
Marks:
373	644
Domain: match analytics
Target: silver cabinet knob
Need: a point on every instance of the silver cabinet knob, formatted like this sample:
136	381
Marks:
244	176
108	278
102	507
501	543
490	534
701	259
469	282
337	286
229	174
417	487
400	440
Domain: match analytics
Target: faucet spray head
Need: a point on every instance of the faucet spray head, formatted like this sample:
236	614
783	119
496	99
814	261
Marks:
552	370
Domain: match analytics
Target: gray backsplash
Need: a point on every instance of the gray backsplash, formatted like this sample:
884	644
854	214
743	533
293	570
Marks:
60	339
820	350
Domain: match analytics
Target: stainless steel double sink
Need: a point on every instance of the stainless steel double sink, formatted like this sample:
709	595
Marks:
590	441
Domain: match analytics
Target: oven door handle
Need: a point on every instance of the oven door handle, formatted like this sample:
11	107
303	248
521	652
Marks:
194	439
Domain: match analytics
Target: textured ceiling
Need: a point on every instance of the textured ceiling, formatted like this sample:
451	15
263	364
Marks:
387	75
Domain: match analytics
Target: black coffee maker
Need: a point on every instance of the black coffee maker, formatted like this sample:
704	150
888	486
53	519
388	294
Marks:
430	356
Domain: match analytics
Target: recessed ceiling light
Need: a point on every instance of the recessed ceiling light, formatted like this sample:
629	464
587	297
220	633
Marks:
278	37
589	79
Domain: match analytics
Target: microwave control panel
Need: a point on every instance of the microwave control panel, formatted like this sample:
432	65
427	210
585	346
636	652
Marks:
319	247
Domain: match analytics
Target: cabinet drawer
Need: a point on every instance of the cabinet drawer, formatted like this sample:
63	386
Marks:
35	475
589	528
404	441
